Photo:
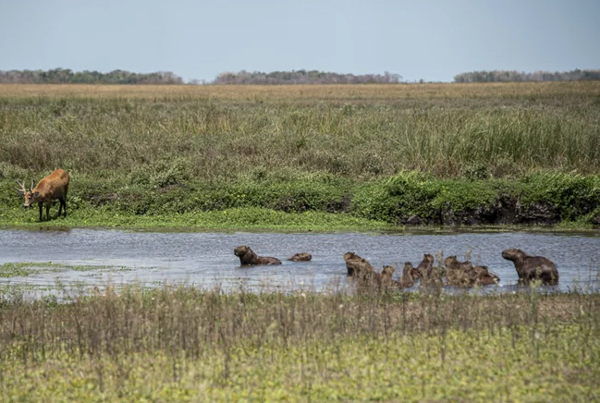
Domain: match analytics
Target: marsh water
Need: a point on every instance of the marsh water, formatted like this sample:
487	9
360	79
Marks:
98	257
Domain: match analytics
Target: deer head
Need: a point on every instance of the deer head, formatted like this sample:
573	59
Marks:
27	194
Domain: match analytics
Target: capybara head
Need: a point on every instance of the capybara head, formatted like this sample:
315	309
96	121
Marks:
451	261
349	255
409	270
387	272
428	258
241	250
513	254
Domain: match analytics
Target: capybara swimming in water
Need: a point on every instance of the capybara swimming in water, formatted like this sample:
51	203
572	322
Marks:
409	275
425	266
385	278
430	275
482	276
356	265
530	268
459	274
248	257
301	257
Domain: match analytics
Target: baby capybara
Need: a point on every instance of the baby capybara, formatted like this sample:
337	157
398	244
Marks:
530	268
248	257
459	274
430	275
409	275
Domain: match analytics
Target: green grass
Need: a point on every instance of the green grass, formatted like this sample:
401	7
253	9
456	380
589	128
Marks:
322	203
378	154
184	344
24	269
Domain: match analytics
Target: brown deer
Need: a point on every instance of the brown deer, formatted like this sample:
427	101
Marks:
53	186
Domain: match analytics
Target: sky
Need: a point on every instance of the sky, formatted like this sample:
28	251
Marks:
420	39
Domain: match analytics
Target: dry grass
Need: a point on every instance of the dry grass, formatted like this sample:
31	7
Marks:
373	92
181	344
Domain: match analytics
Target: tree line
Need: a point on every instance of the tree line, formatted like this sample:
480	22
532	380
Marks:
498	76
304	77
68	76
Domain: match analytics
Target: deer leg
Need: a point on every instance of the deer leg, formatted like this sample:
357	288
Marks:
60	207
64	202
48	211
40	205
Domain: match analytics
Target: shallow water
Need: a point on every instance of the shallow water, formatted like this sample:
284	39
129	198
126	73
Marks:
206	258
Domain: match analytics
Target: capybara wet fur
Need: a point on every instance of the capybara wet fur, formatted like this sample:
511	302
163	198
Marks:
248	257
409	275
356	265
430	275
459	274
301	257
532	268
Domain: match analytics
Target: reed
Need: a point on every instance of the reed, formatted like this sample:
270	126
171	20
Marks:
182	343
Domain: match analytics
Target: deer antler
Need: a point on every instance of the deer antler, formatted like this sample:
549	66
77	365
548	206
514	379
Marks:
22	189
32	185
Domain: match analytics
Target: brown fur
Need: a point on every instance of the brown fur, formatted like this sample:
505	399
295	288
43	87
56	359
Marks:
426	265
52	187
530	268
357	266
385	280
301	257
483	276
409	275
430	275
458	273
248	257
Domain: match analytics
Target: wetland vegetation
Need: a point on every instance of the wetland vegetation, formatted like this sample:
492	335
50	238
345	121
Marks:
307	157
187	344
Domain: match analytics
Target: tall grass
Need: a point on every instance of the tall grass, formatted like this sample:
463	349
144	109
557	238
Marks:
352	131
180	343
343	149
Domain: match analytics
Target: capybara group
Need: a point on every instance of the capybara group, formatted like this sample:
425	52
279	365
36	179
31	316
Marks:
532	268
464	274
248	257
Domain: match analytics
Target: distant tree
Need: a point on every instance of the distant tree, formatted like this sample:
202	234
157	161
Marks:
304	77
64	76
513	76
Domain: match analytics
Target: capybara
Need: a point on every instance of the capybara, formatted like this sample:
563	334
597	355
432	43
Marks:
409	275
459	274
426	265
356	265
248	257
483	276
385	278
430	275
301	257
530	268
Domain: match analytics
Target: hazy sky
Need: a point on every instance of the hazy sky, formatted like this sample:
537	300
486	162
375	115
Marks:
429	39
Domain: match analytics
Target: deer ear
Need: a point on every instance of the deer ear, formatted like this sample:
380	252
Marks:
36	194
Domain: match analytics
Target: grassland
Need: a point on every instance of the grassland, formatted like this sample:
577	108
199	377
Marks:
185	344
369	156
